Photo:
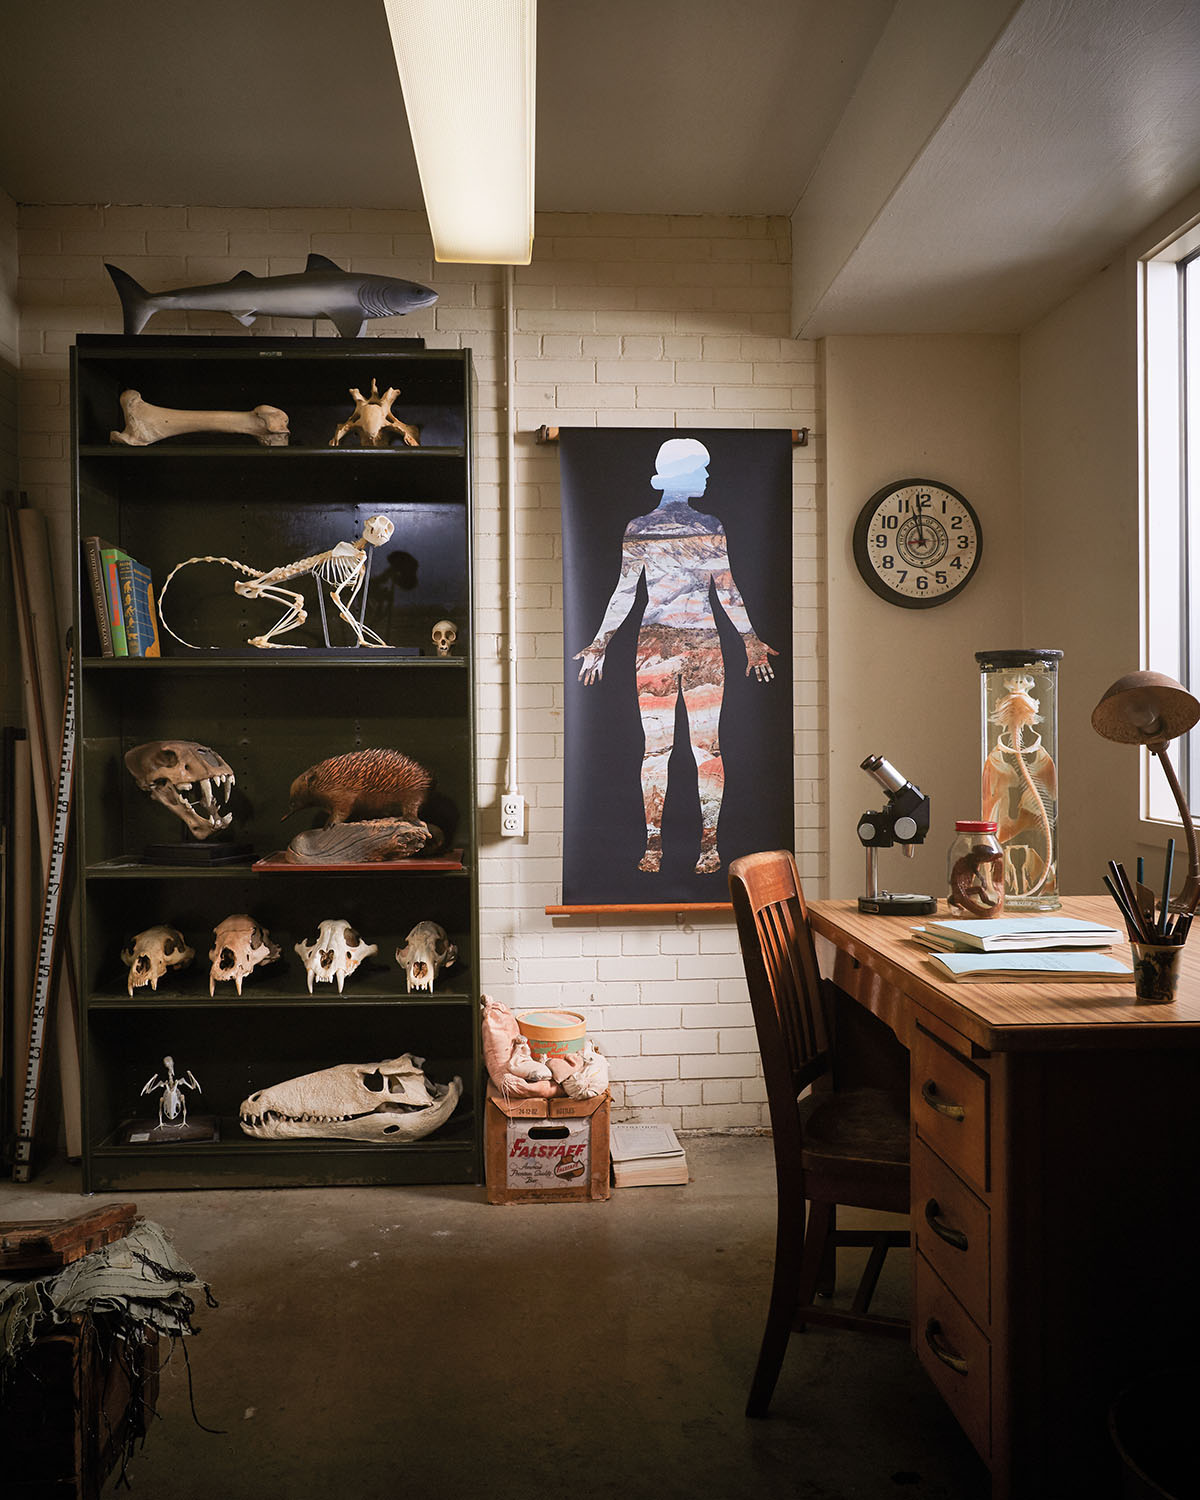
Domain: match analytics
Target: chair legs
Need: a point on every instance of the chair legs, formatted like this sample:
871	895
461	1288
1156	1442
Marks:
804	1262
781	1312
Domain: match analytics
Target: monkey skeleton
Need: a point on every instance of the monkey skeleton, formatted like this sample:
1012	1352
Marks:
343	568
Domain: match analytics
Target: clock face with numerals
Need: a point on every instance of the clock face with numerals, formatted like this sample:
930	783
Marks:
917	542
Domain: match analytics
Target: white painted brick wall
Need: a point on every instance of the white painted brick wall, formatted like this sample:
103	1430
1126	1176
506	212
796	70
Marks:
622	320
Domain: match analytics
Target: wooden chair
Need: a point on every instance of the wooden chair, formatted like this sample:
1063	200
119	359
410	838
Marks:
841	1143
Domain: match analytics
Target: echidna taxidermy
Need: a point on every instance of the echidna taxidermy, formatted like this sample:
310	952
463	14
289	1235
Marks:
362	784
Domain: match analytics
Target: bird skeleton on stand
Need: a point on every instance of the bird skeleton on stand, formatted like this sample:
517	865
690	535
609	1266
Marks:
343	568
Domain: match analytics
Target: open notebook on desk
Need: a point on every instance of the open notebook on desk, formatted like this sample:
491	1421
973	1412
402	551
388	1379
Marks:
994	968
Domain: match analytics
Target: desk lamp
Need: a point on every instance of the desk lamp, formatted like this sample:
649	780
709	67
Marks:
1148	708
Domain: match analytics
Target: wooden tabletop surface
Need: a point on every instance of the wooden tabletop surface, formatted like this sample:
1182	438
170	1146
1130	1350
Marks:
1018	1016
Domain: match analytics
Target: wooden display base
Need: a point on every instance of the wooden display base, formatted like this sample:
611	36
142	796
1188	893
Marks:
196	854
151	1133
281	860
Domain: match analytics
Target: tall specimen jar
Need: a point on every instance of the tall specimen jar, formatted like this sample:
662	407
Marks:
1019	694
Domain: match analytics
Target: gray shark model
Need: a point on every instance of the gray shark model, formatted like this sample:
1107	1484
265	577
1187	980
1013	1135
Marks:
321	290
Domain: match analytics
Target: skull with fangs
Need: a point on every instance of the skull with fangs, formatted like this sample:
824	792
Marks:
189	780
240	944
426	952
390	1100
151	953
335	953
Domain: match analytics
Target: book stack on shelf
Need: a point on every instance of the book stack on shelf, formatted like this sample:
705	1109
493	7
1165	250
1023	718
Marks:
647	1156
123	598
1014	948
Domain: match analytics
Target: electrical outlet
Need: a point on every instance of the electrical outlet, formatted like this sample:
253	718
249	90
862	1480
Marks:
512	815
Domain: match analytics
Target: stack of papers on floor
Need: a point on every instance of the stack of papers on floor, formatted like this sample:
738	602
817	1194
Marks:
1016	934
647	1156
995	968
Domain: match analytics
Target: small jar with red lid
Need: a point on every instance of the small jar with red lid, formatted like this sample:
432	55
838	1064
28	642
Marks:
975	871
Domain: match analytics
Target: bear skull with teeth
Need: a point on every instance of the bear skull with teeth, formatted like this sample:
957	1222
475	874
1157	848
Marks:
190	780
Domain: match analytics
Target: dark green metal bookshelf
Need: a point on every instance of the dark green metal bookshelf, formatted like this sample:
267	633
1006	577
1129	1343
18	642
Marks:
271	714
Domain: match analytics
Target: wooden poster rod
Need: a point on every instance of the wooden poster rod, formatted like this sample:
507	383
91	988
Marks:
546	434
578	911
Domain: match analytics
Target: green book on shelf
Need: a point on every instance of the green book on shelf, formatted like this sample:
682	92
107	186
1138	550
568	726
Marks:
93	563
110	557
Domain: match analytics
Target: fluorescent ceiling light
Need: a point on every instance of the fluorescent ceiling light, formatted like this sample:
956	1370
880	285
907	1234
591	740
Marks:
467	71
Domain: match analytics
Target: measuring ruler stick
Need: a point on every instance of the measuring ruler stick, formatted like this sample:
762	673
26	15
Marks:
48	943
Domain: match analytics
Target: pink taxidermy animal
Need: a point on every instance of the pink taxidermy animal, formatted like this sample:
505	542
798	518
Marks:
1020	780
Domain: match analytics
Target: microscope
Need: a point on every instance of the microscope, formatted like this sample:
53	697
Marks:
904	821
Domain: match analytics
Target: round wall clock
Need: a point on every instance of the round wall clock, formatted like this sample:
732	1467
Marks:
917	542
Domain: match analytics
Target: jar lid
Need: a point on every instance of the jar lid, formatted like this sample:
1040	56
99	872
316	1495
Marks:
975	827
1014	658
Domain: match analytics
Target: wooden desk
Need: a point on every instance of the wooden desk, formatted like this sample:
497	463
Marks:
1055	1172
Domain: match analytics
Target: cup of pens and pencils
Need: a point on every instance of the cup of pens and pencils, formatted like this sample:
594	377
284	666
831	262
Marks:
1155	937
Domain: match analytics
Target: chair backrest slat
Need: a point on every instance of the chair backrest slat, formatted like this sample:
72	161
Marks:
781	967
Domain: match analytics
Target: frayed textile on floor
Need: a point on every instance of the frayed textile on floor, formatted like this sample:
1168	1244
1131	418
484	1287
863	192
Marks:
141	1279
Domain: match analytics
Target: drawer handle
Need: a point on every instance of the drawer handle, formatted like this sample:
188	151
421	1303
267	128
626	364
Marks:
933	1337
944	1231
930	1095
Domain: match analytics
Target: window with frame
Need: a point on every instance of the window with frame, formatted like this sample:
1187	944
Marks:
1170	430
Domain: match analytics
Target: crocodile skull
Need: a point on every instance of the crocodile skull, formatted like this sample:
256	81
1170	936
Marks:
426	952
390	1100
335	953
240	944
151	953
189	780
445	633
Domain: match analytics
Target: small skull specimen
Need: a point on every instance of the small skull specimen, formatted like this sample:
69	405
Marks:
152	953
445	633
188	779
335	953
362	784
426	952
390	1100
240	944
372	419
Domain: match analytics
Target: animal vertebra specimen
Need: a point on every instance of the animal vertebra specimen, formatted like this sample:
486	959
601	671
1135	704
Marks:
321	290
372	419
363	784
344	567
390	1100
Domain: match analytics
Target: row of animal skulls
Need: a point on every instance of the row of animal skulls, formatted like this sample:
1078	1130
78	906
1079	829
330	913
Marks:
241	944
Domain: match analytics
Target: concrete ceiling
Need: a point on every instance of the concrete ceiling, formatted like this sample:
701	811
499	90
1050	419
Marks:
947	164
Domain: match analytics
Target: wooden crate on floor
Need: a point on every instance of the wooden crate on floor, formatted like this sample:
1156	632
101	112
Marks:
546	1150
75	1397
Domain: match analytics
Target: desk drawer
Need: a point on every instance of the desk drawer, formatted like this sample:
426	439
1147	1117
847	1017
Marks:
952	1230
950	1107
956	1354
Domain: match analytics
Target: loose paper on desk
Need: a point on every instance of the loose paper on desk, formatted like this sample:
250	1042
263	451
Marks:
995	968
1020	934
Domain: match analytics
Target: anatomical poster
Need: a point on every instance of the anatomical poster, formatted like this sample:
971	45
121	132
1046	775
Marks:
677	590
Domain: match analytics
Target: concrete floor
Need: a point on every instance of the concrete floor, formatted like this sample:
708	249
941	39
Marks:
376	1342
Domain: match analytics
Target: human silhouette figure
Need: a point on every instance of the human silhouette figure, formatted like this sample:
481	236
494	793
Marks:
684	558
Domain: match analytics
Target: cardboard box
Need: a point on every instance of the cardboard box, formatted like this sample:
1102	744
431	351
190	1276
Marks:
546	1150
